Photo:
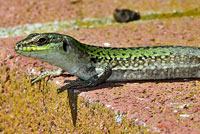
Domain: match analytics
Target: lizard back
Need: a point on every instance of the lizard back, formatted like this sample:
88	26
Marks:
148	63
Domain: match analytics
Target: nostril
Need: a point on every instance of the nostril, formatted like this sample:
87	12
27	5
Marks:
19	45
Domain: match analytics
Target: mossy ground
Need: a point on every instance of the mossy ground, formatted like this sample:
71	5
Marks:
39	109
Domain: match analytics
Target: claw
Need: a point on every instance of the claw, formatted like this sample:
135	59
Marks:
60	90
33	80
63	88
46	73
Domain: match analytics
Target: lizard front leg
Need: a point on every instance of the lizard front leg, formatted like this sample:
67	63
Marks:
47	73
97	79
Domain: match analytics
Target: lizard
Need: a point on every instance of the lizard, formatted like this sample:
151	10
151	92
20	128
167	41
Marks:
94	65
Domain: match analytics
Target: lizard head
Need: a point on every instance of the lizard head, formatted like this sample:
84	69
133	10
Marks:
56	49
37	43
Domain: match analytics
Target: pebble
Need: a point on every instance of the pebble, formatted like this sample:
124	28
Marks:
107	44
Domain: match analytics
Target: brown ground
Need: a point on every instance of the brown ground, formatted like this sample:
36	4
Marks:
20	12
167	106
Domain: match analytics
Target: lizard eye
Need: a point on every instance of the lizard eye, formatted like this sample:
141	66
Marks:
42	41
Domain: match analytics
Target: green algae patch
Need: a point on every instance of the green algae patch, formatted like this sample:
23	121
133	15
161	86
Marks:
55	26
165	15
39	109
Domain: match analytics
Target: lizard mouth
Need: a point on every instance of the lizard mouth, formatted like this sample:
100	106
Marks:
29	51
23	47
27	48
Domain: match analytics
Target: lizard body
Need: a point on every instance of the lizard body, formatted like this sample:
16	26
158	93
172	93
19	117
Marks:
94	65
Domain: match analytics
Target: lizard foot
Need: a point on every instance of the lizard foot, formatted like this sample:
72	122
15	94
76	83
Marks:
46	73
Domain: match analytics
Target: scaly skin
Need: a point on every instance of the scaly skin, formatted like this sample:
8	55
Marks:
94	65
